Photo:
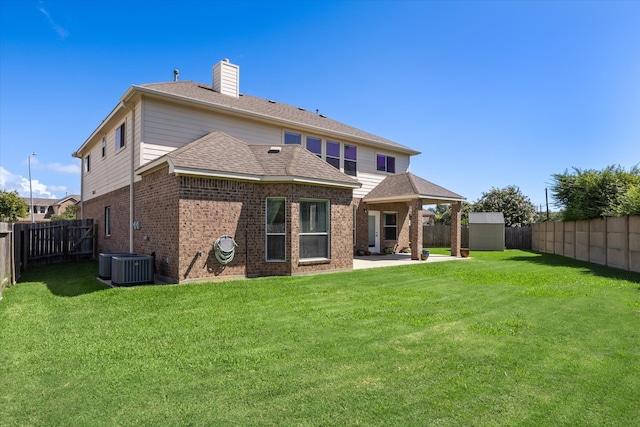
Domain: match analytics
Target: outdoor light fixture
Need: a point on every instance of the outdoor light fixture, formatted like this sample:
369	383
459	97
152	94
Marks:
33	219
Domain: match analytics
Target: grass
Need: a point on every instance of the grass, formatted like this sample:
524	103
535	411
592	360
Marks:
503	339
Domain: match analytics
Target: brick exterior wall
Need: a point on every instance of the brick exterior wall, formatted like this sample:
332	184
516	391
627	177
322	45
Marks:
362	224
118	201
181	218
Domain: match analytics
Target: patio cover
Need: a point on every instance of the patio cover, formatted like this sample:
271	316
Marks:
407	187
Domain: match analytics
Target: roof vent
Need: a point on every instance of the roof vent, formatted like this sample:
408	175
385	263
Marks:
275	149
176	74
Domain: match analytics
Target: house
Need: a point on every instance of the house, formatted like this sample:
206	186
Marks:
44	208
178	166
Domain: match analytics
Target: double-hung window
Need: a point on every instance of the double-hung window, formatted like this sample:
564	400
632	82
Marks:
314	145
87	163
390	226
120	136
275	227
314	229
350	160
385	163
333	154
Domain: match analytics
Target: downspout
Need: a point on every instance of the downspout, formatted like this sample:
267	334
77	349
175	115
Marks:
131	175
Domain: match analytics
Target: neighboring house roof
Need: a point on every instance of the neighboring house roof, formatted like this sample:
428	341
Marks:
486	218
407	186
220	155
39	201
264	109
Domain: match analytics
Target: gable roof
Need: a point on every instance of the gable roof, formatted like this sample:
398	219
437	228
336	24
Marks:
265	109
407	186
222	156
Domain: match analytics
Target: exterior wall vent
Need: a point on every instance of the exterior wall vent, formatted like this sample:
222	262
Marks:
226	78
104	263
274	149
132	270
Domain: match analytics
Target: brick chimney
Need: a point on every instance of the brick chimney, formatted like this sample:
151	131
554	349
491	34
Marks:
226	78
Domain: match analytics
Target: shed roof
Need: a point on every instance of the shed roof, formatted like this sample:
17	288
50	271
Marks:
486	218
220	155
407	186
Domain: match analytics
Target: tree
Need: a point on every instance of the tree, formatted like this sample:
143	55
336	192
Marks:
587	194
443	213
12	206
517	209
68	214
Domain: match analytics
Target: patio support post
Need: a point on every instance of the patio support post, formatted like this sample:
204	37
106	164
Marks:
416	229
456	228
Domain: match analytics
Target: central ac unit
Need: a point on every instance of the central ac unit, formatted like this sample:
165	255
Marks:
132	270
104	263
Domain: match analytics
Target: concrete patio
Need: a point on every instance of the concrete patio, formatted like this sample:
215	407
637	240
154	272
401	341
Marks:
390	260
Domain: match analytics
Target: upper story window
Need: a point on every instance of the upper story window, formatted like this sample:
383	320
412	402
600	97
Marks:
350	160
314	145
120	136
43	209
292	138
276	227
333	154
104	147
385	163
87	163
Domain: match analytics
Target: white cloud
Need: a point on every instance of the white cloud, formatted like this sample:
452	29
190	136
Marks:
10	181
62	32
73	169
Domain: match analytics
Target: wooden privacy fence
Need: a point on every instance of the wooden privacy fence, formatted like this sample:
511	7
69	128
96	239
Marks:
439	236
52	242
611	241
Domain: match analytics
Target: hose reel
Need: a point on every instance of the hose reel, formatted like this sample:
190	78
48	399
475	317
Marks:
225	249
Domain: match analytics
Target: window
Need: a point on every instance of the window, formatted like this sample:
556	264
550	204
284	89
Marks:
390	226
87	163
120	137
107	221
43	209
104	147
275	227
314	229
386	163
292	138
350	157
333	154
314	145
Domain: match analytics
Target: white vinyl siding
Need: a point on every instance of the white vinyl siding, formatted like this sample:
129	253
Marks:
167	127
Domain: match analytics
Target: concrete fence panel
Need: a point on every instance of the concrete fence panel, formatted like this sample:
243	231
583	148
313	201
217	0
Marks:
618	242
548	238
558	238
569	242
598	241
582	240
634	243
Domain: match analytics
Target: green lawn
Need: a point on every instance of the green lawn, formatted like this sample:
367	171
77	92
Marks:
503	339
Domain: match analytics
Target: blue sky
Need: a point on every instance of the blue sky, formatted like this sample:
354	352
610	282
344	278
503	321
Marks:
493	93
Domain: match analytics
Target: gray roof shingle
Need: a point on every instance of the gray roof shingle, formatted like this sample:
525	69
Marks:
266	109
218	152
405	186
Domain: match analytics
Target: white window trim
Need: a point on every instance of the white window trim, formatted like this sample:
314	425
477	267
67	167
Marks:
123	137
267	234
323	149
327	233
375	165
385	226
